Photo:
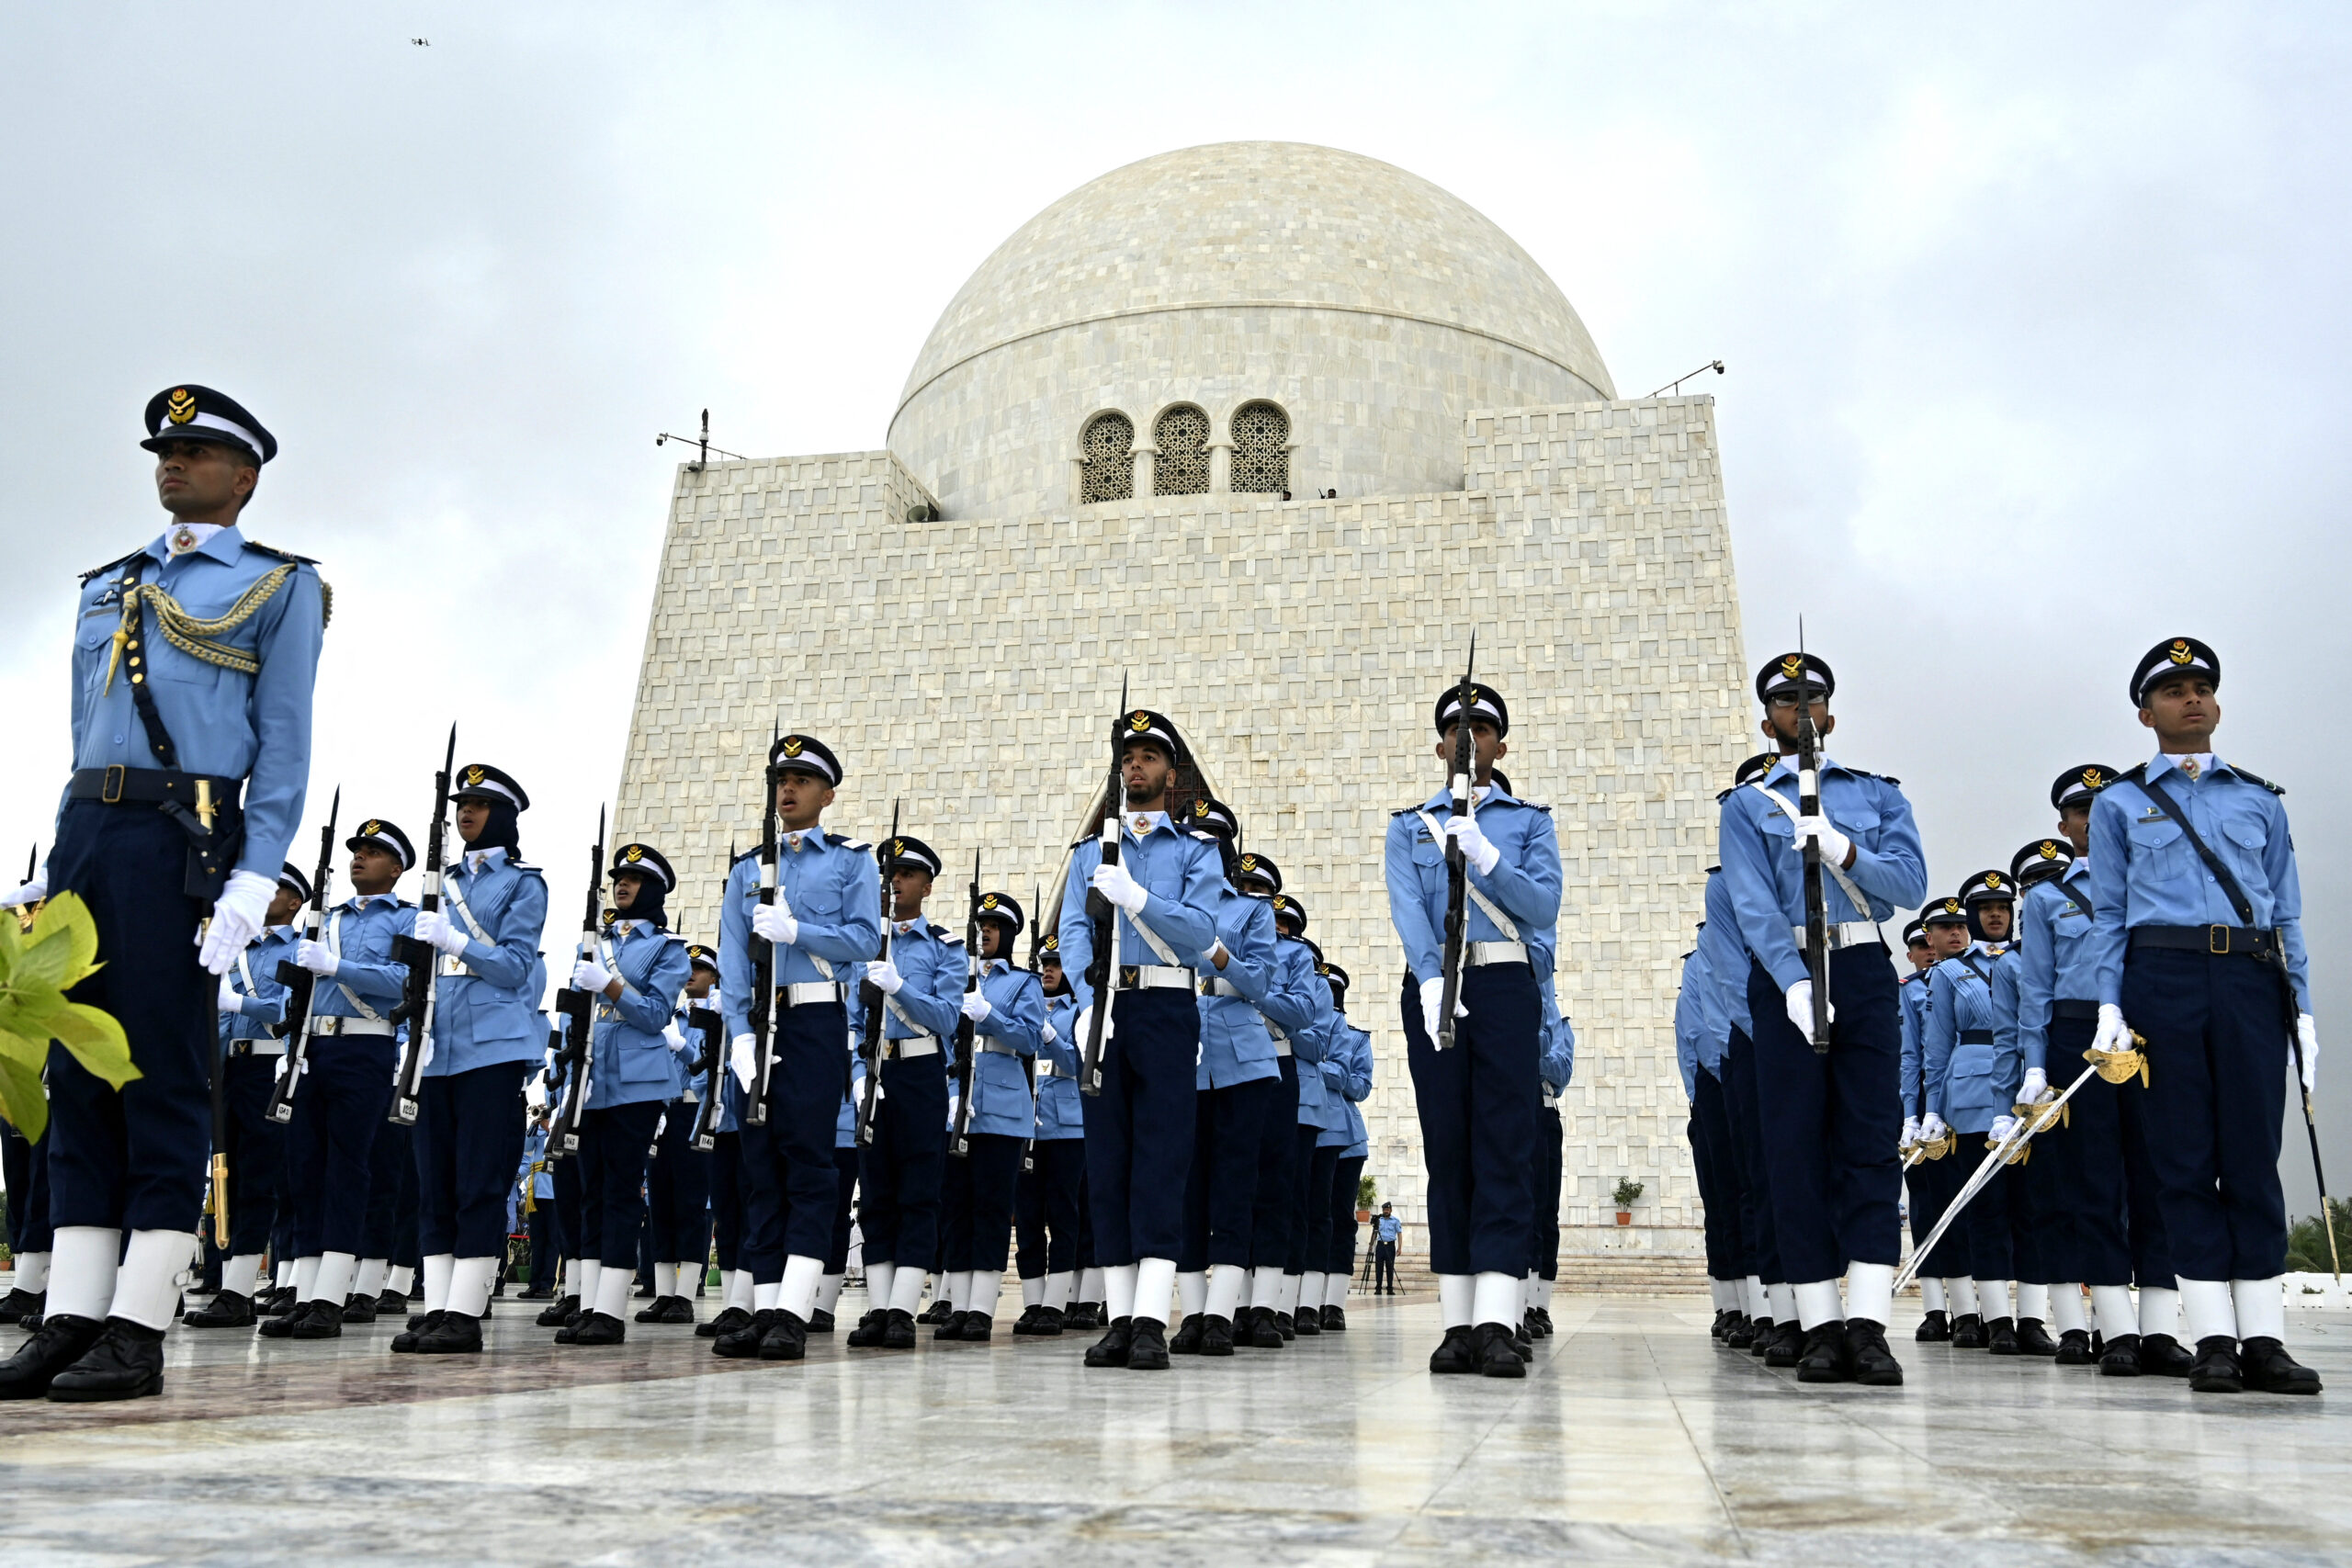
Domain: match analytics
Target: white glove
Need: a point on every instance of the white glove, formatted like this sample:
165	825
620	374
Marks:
1799	998
2113	1033
1050	1036
2307	1033
1481	852
1077	1031
1835	845
421	1066
2036	1087
1932	1128
434	927
976	1006
231	999
1114	883
31	893
237	916
886	976
1432	999
1910	1133
743	1056
674	1037
314	956
2004	1128
548	1064
535	1094
591	977
775	923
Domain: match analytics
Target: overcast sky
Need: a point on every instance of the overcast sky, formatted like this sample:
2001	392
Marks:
2035	319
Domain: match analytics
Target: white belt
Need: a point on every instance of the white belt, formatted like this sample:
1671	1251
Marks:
1282	1040
909	1045
330	1024
1550	1100
1485	953
1048	1068
1213	987
257	1047
996	1048
1853	933
807	993
1153	977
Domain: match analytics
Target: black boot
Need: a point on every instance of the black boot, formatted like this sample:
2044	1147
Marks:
1049	1323
727	1321
456	1335
951	1327
978	1329
1935	1329
18	1303
391	1302
1187	1339
2163	1356
1217	1334
939	1310
62	1340
1457	1352
404	1343
1968	1332
1285	1327
1335	1320
563	1311
1261	1332
1763	1340
1544	1318
229	1309
1868	1358
786	1339
279	1327
1788	1345
2001	1337
1823	1357
2218	1369
1111	1350
536	1293
1083	1316
2269	1369
868	1335
1498	1351
2121	1357
1146	1345
820	1320
1306	1320
595	1328
743	1344
898	1330
2075	1348
1026	1323
2033	1338
1522	1341
281	1302
1740	1333
126	1361
358	1307
318	1319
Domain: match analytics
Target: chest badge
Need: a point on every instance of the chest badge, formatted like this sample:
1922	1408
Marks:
182	539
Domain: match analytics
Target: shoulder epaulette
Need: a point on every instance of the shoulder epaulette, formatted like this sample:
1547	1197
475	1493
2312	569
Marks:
281	554
1404	811
1202	835
523	866
2257	779
944	934
2135	773
1724	794
842	841
112	564
748	854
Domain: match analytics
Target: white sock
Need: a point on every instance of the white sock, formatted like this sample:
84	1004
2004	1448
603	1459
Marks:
1033	1291
1090	1286
2159	1312
829	1290
1492	1298
2207	1309
906	1291
2111	1305
438	1269
2066	1309
741	1293
240	1273
81	1265
2261	1308
1058	1289
1817	1303
1994	1294
1265	1287
2033	1302
1224	1294
470	1279
1869	1293
933	1285
959	1290
1310	1293
1192	1292
1783	1297
1931	1295
1527	1291
1287	1303
1544	1296
331	1282
306	1279
799	1296
1963	1297
1119	1290
591	1278
148	1286
570	1276
1457	1298
1155	1288
1758	1304
400	1277
612	1293
879	1277
764	1296
369	1281
1719	1292
1335	1289
988	1284
284	1274
666	1280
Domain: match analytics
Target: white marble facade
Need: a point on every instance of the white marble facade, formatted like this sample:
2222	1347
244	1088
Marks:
957	627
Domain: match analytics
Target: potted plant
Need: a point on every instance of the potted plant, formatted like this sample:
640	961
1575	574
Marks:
1628	1191
1367	1194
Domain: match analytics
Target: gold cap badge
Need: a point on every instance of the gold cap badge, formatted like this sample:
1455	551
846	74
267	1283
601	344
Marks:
181	406
2179	653
2049	848
2094	779
988	902
370	827
792	746
1139	721
473	774
634	853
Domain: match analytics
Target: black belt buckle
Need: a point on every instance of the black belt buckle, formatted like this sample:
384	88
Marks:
110	791
1130	977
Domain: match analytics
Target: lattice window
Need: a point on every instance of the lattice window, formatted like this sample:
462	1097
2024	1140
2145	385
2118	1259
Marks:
1183	467
1260	462
1109	445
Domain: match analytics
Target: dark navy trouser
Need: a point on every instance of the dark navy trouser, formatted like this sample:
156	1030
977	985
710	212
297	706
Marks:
468	1138
727	1198
1221	1189
614	1145
978	1204
677	1191
1302	1169
26	1174
1478	1104
1747	1148
845	1169
338	1109
2216	1105
789	1175
1272	1222
1933	1183
1315	1208
2083	1164
391	1193
566	1173
1716	1165
1987	1227
1550	1156
2144	1216
903	1168
1831	1122
1345	1178
1139	1128
256	1149
1045	1207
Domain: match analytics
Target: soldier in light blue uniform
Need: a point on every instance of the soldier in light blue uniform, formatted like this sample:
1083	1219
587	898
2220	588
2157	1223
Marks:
1322	1118
486	1033
539	1210
1991	900
191	757
1007	1013
1297	1007
1930	1175
638	971
1162	896
1700	1034
1768	1327
826	916
729	1186
2197	942
253	1010
1831	1120
1479	1101
1960	1065
846	1160
677	1178
1347	1072
1045	1200
1560	1067
346	1085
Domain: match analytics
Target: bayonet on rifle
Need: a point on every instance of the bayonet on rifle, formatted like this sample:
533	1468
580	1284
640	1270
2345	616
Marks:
578	1010
1816	902
1103	974
968	1067
302	985
1462	780
870	996
423	958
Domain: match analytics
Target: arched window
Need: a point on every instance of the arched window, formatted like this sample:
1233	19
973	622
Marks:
1109	445
1261	455
1183	467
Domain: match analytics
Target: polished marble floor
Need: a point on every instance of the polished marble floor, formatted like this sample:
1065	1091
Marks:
1636	1438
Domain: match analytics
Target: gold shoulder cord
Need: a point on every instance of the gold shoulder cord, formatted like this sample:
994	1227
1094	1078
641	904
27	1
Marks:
196	638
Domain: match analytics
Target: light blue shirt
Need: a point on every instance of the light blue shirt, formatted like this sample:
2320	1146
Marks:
2145	871
1184	878
835	892
1060	1112
1235	1045
1001	1103
1690	1022
361	930
1347	1072
1963	1079
1911	995
534	1155
1727	960
1765	874
930	959
262	996
1524	884
224	723
1387	1228
635	1062
489	1012
2053	956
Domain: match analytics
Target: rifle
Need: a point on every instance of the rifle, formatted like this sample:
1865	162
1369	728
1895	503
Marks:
870	996
1817	902
302	985
1102	972
423	960
578	1010
760	1013
1029	1064
959	1143
1457	865
705	1021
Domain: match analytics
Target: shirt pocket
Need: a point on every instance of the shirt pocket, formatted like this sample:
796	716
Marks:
2158	844
2245	834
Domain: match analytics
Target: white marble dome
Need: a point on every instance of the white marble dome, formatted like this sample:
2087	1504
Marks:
1372	309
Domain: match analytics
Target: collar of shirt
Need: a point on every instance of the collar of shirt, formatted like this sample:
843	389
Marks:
810	838
283	934
361	900
627	927
477	860
1143	824
221	542
1481	796
2206	763
916	927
